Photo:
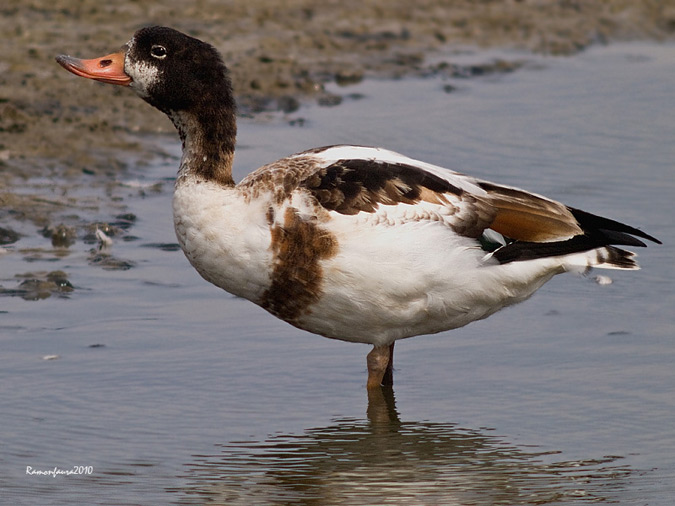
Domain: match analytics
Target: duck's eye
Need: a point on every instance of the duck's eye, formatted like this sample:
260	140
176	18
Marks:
158	51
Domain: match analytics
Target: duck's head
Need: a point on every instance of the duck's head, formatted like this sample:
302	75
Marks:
170	70
186	79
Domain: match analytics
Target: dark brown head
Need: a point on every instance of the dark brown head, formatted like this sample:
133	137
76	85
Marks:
184	78
172	71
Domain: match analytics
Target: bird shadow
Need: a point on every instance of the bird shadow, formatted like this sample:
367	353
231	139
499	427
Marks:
384	460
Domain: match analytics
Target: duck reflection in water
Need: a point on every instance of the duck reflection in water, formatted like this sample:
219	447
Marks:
383	460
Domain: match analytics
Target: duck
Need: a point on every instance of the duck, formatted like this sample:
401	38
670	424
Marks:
355	243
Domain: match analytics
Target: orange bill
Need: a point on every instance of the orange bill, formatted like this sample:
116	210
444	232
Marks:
107	69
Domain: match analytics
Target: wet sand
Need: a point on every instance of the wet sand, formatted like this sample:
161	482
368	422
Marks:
54	125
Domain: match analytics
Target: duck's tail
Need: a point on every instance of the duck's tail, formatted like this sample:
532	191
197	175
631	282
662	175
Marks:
595	247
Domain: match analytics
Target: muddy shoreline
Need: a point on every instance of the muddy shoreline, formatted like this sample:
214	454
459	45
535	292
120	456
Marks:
54	125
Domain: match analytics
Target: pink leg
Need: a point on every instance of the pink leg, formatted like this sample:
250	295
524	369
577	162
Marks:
380	366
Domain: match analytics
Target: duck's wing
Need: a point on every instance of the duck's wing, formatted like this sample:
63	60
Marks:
349	180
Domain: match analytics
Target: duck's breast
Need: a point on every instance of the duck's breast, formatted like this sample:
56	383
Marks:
225	236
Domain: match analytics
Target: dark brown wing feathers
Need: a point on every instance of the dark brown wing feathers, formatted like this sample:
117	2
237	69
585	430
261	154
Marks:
352	186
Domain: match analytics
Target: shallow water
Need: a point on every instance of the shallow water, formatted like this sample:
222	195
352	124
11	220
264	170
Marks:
177	393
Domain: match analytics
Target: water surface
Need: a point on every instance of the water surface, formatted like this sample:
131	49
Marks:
176	392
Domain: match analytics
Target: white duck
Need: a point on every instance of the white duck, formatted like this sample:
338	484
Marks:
353	243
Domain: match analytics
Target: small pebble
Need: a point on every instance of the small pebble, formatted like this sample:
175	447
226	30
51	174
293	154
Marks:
104	241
